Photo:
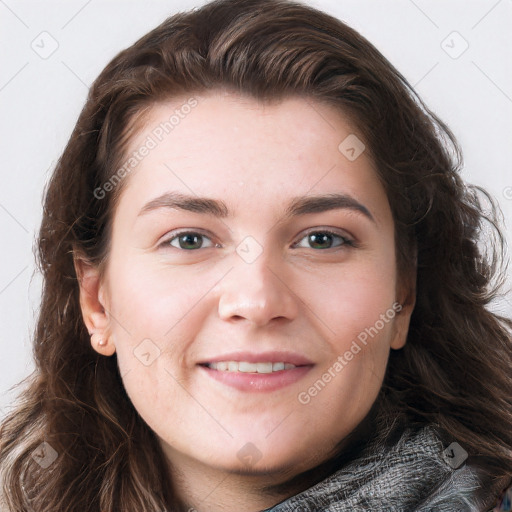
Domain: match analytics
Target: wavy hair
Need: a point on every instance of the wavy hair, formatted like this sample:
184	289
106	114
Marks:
454	371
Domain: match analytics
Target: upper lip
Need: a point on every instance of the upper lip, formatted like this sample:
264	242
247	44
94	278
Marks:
262	357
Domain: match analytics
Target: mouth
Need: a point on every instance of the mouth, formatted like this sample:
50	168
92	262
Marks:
249	374
247	367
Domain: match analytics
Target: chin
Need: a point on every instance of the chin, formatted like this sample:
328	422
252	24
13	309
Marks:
279	468
259	458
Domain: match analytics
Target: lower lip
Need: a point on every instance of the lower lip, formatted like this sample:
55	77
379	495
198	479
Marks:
258	381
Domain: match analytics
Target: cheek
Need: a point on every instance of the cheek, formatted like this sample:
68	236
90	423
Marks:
151	301
358	315
154	319
350	301
357	309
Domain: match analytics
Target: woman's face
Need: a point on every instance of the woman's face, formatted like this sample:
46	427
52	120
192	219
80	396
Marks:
251	234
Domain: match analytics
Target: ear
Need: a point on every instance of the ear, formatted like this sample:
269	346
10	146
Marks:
92	304
404	306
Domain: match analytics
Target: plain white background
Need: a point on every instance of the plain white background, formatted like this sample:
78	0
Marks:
456	53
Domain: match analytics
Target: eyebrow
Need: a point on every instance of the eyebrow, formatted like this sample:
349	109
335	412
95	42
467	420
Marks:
298	206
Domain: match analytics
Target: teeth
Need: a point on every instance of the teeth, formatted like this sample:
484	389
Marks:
264	367
245	367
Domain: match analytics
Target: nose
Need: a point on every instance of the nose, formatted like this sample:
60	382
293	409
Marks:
257	292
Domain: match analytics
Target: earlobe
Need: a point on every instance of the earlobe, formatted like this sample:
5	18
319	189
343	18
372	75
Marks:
401	326
101	345
403	317
92	304
101	340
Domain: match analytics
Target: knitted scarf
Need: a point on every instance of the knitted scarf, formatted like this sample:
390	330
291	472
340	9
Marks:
416	474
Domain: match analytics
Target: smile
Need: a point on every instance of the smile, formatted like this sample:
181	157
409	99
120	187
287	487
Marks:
247	377
247	367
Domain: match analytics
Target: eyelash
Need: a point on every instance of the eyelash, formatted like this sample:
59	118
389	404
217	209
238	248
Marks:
346	243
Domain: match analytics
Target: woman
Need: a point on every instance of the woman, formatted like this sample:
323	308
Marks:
263	288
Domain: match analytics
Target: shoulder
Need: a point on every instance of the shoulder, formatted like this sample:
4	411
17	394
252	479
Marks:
504	503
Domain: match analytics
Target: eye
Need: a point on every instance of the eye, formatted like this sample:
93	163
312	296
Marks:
188	240
325	239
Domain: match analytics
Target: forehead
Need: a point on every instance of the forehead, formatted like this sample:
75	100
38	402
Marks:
225	145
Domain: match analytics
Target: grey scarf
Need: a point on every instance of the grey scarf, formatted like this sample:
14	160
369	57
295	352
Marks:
417	474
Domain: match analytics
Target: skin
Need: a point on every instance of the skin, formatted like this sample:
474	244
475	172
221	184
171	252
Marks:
197	303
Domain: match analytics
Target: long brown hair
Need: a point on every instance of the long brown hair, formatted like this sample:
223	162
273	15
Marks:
455	370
